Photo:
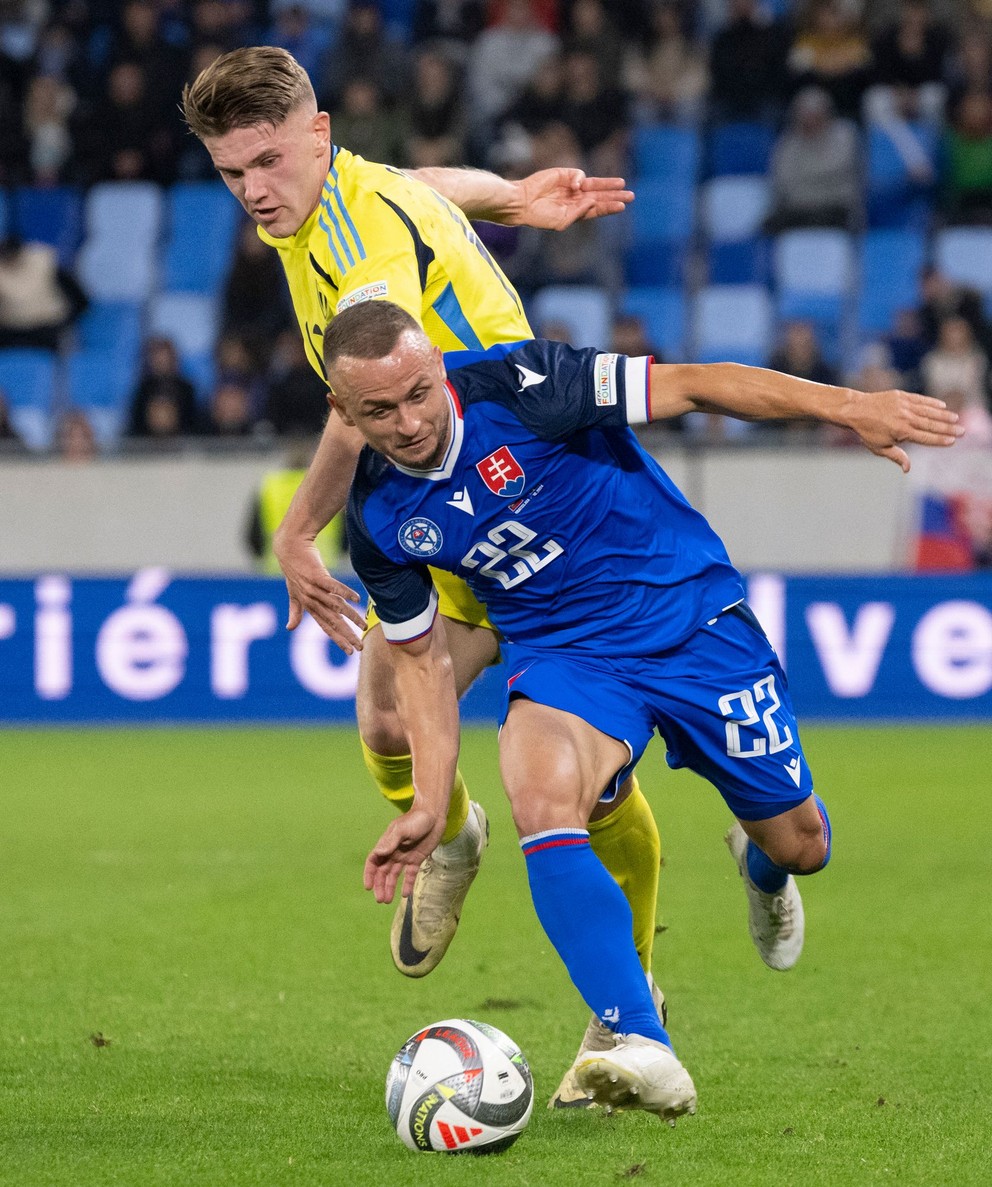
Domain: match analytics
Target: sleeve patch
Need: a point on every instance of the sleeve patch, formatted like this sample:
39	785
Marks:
375	291
606	380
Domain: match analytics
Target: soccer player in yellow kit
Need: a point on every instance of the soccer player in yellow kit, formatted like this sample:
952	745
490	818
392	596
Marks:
349	230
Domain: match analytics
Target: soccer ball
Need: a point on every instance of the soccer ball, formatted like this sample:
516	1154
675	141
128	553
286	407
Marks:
459	1085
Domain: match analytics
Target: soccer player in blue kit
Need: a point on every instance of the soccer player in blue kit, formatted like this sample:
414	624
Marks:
620	611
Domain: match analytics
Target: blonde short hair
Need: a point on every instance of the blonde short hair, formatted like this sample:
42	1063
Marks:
260	84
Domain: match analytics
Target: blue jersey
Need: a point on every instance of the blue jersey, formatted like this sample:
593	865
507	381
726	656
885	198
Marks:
546	505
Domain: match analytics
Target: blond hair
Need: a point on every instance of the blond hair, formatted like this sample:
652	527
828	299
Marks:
260	84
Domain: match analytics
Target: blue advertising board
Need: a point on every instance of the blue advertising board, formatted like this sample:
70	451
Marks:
154	647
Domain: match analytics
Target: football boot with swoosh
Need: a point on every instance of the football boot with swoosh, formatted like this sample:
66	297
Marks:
426	921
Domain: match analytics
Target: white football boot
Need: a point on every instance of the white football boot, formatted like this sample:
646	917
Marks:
425	922
598	1037
776	921
637	1073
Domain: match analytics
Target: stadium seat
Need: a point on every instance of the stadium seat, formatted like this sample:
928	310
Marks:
112	325
585	310
189	319
118	260
732	211
891	260
740	148
100	386
663	314
894	198
813	272
205	215
665	151
660	227
733	323
53	216
965	254
27	379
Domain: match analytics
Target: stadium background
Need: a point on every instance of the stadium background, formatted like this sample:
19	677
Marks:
136	432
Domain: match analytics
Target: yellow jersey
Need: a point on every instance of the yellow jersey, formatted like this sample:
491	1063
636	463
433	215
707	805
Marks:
378	233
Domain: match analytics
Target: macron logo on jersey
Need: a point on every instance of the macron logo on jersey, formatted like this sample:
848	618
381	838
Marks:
528	378
462	501
502	473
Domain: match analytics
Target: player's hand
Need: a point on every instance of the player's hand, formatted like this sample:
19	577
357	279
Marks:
408	841
554	199
886	420
311	587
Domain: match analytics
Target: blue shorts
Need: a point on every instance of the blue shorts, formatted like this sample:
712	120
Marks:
720	701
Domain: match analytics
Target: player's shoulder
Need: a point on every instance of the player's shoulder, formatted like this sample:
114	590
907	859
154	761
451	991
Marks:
509	370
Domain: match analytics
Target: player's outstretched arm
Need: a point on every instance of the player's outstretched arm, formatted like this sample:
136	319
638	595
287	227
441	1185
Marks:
427	704
321	495
885	421
551	199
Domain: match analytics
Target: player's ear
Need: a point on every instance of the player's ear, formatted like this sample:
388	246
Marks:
321	126
439	359
335	404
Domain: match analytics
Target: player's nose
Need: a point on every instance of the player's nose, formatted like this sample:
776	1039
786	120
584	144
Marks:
254	186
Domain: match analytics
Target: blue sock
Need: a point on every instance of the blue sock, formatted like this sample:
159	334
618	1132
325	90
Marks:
588	920
769	877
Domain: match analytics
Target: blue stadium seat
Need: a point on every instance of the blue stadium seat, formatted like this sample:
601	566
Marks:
891	260
666	151
112	325
189	319
663	314
27	379
894	199
118	260
733	323
732	211
53	216
660	227
584	309
100	386
203	220
965	255
4	214
740	148
813	271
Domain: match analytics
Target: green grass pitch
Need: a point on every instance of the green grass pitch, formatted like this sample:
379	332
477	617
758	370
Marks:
195	989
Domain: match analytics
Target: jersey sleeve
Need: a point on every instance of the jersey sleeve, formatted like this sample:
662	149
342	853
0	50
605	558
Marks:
561	390
403	595
384	257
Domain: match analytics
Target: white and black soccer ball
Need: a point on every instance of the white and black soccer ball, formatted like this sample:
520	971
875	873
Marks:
459	1086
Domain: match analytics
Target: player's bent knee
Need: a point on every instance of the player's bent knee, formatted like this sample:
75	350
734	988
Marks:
382	732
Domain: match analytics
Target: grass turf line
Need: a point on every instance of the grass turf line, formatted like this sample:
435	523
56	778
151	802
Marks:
194	897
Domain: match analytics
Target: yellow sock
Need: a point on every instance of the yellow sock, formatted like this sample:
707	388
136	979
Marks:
393	775
627	843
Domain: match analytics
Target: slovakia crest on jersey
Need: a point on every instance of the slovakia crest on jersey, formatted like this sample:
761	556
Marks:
420	537
502	473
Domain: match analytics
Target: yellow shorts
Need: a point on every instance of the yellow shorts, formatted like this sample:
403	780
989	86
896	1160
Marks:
454	600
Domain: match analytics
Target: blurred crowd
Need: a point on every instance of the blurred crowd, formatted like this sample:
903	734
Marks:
89	93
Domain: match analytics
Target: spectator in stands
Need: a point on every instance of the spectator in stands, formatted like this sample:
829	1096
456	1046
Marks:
590	30
747	65
907	85
968	155
364	50
297	399
943	298
956	366
10	439
970	67
435	114
163	63
541	102
799	354
194	163
163	406
123	138
293	30
39	299
906	343
74	439
362	124
13	143
832	52
502	61
47	109
229	414
596	112
814	172
451	25
255	270
237	363
668	75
